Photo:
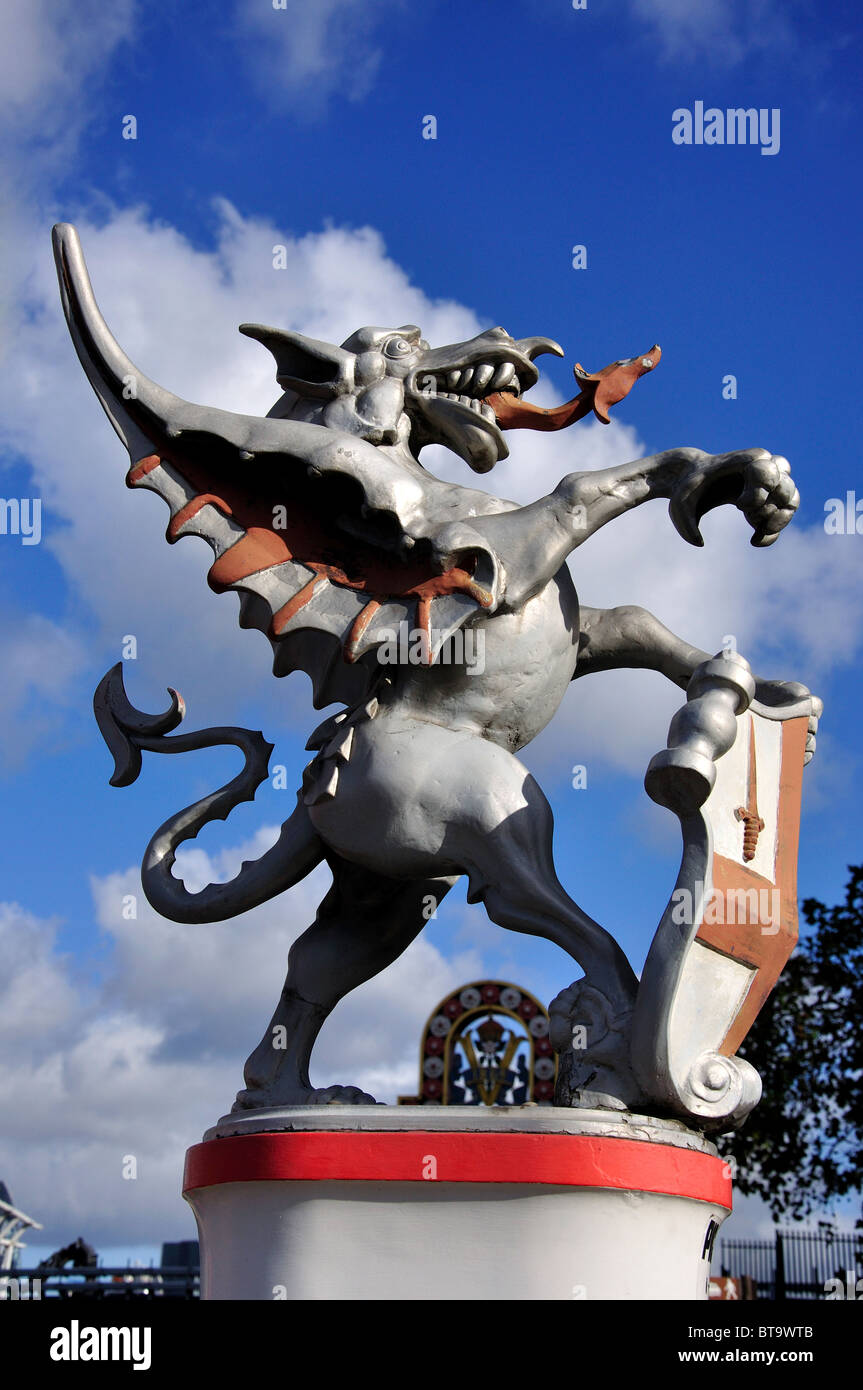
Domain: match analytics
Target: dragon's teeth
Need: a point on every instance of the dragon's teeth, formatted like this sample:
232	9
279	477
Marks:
454	377
482	376
503	375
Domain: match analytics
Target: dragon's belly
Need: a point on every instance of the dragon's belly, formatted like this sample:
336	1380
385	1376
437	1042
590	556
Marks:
512	682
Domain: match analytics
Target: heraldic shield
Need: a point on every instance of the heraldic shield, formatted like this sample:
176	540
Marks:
732	773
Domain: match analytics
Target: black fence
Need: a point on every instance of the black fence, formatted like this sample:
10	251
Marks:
100	1281
796	1264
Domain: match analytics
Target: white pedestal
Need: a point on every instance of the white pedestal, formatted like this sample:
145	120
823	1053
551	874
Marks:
425	1202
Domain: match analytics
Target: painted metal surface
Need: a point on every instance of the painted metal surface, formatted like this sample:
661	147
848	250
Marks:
325	523
562	1160
612	1209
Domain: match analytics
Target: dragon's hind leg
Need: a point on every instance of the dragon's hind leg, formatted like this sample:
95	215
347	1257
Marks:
416	799
363	924
510	867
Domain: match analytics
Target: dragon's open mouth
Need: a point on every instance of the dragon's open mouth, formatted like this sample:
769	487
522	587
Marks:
599	392
458	403
476	387
466	407
495	392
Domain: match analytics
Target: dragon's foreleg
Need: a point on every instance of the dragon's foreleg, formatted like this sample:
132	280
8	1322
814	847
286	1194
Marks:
758	483
532	542
629	636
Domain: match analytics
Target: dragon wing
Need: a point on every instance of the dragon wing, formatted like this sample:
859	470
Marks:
329	542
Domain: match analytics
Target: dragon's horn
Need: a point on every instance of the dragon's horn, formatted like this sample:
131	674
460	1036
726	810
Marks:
148	419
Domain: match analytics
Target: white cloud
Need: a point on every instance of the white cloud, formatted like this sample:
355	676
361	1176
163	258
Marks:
51	55
722	32
796	610
175	309
41	664
33	982
302	54
136	1053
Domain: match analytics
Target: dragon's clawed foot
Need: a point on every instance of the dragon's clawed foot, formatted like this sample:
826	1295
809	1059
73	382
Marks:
262	1098
769	498
757	482
591	1032
340	1095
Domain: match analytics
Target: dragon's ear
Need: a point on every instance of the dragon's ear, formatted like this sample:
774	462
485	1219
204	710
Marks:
304	365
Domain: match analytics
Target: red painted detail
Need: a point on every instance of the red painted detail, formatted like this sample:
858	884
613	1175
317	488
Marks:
766	950
289	610
432	1089
491	994
527	1009
599	392
543	1047
358	627
434	1045
308	538
258	549
140	469
179	519
567	1160
453	1008
424	625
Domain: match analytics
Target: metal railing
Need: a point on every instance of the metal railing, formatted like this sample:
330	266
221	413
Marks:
101	1281
795	1264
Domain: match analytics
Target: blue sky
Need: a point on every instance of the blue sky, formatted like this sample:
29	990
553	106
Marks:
303	127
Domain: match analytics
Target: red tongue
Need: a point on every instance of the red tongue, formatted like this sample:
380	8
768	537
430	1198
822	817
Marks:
599	392
512	413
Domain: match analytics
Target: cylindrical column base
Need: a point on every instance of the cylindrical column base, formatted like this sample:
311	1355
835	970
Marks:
436	1203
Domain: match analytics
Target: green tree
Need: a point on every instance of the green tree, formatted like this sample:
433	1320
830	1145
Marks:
802	1147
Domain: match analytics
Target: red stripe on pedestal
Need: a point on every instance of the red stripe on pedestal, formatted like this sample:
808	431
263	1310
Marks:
569	1160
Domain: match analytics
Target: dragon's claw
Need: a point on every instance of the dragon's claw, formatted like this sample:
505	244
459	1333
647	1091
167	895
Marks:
281	1097
340	1095
765	492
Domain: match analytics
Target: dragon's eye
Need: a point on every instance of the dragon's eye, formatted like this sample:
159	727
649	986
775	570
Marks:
397	347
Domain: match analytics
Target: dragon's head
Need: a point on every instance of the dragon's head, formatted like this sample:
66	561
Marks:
388	386
384	385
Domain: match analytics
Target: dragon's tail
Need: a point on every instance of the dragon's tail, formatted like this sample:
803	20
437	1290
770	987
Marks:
296	852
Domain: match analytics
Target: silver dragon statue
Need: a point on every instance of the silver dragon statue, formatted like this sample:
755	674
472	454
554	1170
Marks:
340	543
